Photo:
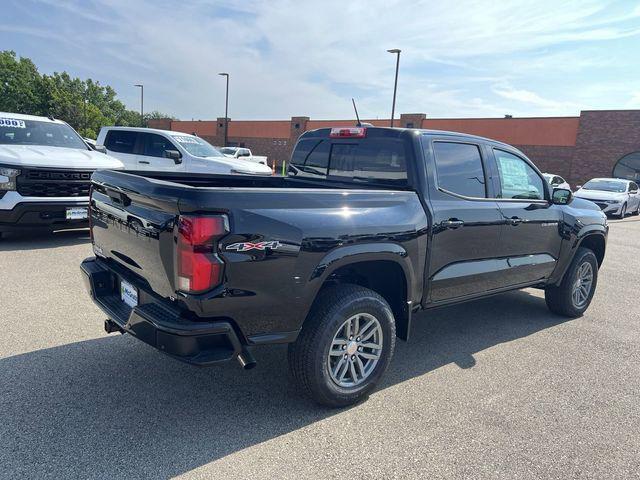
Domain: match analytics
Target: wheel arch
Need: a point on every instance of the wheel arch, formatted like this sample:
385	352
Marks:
383	268
596	242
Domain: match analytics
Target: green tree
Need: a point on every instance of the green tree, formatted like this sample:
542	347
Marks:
85	104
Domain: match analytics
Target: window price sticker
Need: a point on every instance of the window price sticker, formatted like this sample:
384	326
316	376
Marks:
12	123
186	140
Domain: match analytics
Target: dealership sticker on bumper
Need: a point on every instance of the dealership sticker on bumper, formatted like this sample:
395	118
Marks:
128	294
77	213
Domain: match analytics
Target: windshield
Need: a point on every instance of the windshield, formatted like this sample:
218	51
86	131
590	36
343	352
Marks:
14	131
606	186
228	150
196	146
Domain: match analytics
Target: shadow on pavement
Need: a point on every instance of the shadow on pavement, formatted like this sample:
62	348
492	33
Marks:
35	239
114	407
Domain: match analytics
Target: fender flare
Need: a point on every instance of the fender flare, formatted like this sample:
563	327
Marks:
586	232
368	252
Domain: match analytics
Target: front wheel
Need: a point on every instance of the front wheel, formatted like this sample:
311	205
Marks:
574	294
623	211
345	345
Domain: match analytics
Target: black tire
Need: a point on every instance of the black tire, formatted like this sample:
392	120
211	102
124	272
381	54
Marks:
623	211
560	298
637	212
308	355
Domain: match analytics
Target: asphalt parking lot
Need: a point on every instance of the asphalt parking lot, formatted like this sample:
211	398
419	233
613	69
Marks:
499	388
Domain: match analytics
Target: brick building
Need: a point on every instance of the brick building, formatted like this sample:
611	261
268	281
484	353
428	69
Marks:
577	148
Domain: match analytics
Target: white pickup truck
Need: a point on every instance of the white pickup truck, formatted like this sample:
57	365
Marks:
242	153
168	151
45	173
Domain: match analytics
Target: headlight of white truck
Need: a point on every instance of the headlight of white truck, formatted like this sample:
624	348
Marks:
8	178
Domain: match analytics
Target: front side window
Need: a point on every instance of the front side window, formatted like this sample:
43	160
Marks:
14	131
197	146
459	169
155	145
517	179
121	141
633	187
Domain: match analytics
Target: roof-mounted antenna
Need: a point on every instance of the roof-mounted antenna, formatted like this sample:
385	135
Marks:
356	109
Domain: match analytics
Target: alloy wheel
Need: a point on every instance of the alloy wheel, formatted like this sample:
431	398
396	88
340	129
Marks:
355	350
583	284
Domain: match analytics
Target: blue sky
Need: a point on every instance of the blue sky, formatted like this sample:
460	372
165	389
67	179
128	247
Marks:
459	58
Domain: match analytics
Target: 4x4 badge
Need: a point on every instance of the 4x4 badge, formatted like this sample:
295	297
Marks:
246	246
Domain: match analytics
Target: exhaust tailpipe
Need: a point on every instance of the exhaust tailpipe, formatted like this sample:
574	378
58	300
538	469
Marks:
246	359
110	326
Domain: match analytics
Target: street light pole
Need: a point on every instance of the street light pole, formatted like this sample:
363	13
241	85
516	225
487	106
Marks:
141	102
395	85
226	110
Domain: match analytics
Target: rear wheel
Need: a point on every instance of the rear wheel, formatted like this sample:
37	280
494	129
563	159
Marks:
574	294
344	347
637	211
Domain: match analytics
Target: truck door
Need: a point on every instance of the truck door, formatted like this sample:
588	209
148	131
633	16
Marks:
464	254
151	154
531	231
121	144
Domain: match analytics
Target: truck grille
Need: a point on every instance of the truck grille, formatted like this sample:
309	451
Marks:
54	183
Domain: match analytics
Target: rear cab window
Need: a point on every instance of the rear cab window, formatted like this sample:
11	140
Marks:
380	160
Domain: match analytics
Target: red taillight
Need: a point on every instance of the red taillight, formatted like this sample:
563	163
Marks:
348	132
198	267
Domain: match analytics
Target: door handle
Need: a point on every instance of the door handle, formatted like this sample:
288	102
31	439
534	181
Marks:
452	223
143	161
515	221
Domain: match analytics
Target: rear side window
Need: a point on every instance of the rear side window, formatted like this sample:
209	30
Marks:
155	145
120	141
459	169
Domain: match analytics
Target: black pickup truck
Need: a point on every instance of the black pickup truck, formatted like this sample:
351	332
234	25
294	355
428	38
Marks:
369	226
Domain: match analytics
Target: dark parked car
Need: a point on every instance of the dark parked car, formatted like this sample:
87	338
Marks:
371	225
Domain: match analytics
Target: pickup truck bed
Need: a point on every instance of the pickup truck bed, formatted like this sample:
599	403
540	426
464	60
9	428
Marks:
334	258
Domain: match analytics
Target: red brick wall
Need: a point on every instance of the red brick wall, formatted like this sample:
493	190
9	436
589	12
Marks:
604	136
578	148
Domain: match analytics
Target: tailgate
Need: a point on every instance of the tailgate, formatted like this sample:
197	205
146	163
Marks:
132	223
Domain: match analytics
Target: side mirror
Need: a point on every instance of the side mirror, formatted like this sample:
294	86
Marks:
101	149
174	155
578	187
561	196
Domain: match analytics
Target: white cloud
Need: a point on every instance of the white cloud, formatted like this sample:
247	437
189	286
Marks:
291	58
527	97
